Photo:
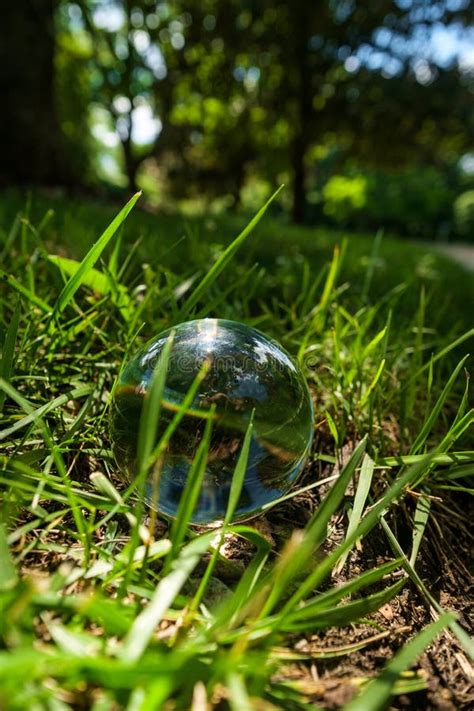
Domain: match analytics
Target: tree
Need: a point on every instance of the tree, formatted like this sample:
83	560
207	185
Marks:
351	75
31	144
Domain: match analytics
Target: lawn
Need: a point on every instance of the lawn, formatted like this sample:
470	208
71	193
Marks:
353	589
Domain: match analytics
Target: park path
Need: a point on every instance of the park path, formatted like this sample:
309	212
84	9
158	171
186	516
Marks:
461	253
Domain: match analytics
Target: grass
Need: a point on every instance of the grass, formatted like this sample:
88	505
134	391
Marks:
106	607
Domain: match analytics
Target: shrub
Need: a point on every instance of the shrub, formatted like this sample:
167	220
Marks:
464	214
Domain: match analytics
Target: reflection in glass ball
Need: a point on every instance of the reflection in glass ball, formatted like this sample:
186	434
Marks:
248	372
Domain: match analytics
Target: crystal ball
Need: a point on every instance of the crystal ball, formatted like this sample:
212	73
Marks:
247	373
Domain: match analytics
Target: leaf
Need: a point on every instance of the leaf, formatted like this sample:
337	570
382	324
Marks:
314	533
461	634
97	281
151	409
24	291
368	522
362	581
234	496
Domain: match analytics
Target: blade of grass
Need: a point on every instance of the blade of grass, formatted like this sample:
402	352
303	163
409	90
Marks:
223	260
91	258
36	414
362	581
436	608
445	458
368	522
147	432
316	607
8	352
314	533
377	693
26	293
145	624
440	354
238	696
234	495
432	417
190	495
8	576
362	491
343	614
422	513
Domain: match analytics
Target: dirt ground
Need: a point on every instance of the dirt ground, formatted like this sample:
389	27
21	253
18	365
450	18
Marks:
330	675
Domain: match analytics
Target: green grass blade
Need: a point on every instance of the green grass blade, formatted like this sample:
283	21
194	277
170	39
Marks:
440	354
314	533
8	576
343	614
36	414
239	473
91	258
464	639
422	513
147	432
190	495
432	417
444	458
151	409
362	491
234	495
317	526
333	595
8	351
238	696
377	693
368	522
247	583
26	293
220	264
145	624
373	382
300	548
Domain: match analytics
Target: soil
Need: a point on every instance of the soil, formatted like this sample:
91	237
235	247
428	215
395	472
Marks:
444	555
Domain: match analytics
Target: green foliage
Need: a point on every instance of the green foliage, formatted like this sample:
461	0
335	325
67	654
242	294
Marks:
125	616
343	196
73	98
418	200
464	215
243	95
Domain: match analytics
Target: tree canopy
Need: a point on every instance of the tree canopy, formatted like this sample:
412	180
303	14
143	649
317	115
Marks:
208	97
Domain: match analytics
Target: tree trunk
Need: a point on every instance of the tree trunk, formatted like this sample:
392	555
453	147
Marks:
31	147
131	163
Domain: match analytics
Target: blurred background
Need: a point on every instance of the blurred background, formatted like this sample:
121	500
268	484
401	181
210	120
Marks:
363	109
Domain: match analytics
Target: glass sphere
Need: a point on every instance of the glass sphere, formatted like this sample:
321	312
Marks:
248	372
